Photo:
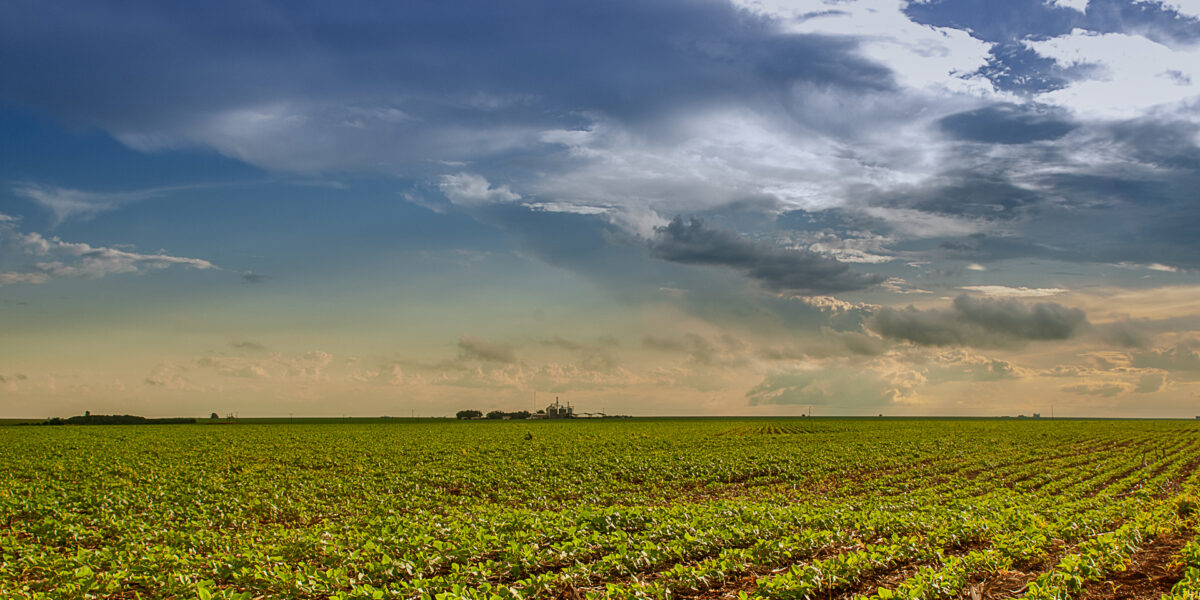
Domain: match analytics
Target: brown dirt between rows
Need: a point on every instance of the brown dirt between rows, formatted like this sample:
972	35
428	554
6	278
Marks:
1012	583
1150	573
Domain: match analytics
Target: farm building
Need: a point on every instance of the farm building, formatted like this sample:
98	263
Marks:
560	411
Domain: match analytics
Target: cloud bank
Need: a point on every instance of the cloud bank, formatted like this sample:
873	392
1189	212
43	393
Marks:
793	270
980	322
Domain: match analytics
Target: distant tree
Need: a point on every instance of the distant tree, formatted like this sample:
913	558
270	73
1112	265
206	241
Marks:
468	414
214	416
497	414
520	414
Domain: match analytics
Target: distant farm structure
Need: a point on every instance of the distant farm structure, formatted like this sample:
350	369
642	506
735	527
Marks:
557	410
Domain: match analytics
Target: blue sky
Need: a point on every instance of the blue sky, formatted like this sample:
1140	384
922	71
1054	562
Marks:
700	207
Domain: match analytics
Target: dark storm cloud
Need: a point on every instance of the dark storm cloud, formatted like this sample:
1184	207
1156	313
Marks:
1136	218
1167	143
428	81
591	247
1136	204
981	247
1006	124
692	242
980	322
961	193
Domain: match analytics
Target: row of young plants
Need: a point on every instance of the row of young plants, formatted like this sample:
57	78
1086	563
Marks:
685	577
477	510
1096	557
1017	537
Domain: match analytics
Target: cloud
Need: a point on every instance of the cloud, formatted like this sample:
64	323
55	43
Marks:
43	259
67	203
592	357
1006	124
726	350
562	342
234	367
1185	8
1151	383
921	57
469	189
472	348
780	269
252	277
1125	333
242	344
855	342
1078	5
1130	73
837	387
902	130
961	364
296	94
980	322
833	343
1106	390
170	376
1004	291
310	365
1178	358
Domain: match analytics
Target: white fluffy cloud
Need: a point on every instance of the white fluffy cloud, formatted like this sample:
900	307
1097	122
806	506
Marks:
1004	291
1127	75
44	258
1079	5
921	57
470	189
1187	8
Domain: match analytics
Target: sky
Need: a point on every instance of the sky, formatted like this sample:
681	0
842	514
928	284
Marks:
756	207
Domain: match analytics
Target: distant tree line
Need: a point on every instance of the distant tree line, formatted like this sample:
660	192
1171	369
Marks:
90	419
495	414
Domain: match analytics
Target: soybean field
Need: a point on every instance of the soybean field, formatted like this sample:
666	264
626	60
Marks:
706	508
